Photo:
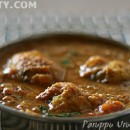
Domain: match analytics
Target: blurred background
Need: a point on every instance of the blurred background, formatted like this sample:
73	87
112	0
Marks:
106	18
77	6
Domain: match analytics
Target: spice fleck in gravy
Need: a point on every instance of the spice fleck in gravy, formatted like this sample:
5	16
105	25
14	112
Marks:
65	77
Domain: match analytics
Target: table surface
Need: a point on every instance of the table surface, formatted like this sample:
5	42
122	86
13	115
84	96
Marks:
104	18
13	27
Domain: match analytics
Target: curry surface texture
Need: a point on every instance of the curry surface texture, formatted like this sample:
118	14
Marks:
69	54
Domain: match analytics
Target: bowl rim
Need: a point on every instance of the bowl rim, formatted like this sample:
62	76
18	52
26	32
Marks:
65	119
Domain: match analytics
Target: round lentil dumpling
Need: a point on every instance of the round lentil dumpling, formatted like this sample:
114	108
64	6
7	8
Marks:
100	69
33	67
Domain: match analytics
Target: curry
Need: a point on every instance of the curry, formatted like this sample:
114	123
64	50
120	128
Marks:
65	77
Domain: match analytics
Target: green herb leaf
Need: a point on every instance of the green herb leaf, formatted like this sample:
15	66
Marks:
72	114
43	109
45	112
73	53
65	61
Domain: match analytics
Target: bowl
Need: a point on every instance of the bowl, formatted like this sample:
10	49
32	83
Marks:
11	119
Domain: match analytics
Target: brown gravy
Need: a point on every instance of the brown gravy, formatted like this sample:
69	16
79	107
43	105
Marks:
69	54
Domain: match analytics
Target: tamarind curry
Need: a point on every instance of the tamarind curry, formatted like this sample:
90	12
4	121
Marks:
65	77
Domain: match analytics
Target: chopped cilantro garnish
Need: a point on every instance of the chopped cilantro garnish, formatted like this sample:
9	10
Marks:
73	53
65	61
45	112
71	114
43	109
